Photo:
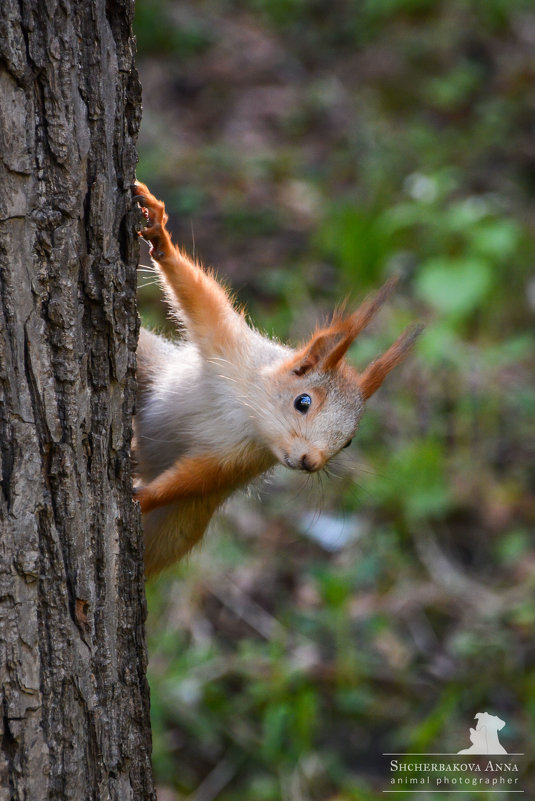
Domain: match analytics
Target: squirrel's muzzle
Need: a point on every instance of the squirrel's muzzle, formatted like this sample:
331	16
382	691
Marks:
306	462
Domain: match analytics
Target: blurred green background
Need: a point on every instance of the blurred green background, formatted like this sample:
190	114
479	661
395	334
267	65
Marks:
307	150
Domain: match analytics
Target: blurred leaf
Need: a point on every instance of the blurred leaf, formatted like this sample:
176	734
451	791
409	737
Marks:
514	546
462	215
158	33
414	478
275	723
334	588
440	344
305	717
455	88
187	200
354	239
354	700
425	732
497	239
454	286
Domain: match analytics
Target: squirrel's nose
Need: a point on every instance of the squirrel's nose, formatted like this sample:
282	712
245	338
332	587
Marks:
307	464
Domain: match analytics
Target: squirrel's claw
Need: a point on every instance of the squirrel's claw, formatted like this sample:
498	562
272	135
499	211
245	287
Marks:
154	212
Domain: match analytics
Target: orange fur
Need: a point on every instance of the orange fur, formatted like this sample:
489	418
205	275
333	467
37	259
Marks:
374	375
202	299
351	327
329	345
191	476
199	475
217	413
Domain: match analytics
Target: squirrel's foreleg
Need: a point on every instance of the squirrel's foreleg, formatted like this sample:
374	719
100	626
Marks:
211	319
188	477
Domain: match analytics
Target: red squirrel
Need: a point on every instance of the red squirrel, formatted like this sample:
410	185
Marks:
227	404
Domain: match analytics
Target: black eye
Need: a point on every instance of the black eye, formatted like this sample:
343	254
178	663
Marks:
348	444
303	403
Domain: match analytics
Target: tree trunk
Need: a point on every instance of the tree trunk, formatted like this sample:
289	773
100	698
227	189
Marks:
74	720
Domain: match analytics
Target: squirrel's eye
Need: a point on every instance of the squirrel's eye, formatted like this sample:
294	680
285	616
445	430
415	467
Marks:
348	444
303	403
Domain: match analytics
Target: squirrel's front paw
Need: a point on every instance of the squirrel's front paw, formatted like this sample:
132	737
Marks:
154	213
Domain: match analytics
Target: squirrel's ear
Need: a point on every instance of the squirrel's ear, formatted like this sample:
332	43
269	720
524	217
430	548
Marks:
351	327
328	346
373	376
315	351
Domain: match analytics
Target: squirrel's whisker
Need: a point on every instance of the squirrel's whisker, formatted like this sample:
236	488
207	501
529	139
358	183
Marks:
222	406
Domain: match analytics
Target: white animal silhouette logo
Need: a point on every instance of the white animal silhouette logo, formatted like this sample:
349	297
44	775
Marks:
484	737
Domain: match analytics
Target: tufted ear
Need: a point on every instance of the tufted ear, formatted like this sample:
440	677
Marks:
373	376
315	351
329	345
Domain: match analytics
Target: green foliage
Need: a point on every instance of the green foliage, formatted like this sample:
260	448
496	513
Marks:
334	145
158	33
455	287
353	238
413	482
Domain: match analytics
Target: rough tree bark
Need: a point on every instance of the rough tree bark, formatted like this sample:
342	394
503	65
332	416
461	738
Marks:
74	702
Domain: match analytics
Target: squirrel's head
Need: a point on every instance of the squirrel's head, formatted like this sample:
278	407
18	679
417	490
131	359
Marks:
319	398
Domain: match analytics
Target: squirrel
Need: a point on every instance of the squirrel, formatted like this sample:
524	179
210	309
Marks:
226	404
